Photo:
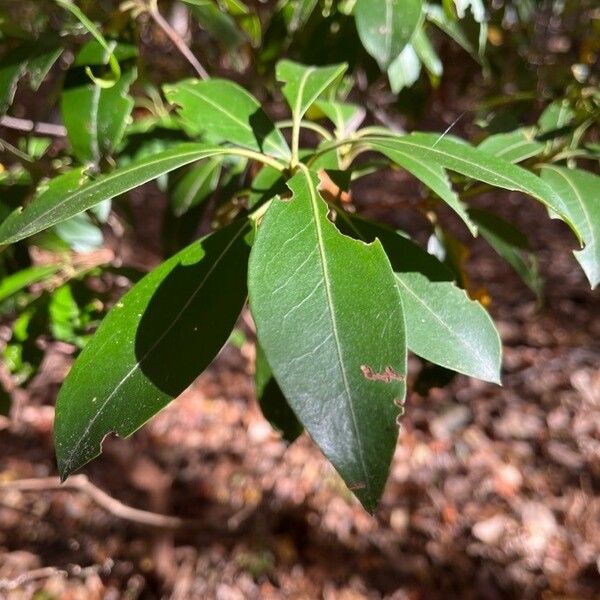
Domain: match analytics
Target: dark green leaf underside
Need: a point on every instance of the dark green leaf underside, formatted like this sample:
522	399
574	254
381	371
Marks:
156	340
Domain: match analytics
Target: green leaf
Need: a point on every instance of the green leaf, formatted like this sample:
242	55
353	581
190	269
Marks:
303	85
221	26
476	6
512	245
404	70
477	9
556	117
272	402
430	173
297	13
162	334
195	186
515	147
47	51
436	15
21	279
386	26
426	53
70	194
64	315
471	162
94	54
345	116
35	58
80	233
580	191
97	35
329	318
248	21
96	117
443	325
224	109
12	68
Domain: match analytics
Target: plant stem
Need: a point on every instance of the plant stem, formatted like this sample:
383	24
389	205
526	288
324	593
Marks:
307	125
333	145
295	143
177	41
263	158
377	131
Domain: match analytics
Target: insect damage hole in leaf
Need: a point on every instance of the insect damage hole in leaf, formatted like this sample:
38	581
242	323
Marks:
307	284
165	331
387	376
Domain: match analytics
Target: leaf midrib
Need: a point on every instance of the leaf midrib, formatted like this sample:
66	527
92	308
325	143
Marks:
521	143
300	107
115	175
512	182
325	269
450	197
268	141
455	335
586	214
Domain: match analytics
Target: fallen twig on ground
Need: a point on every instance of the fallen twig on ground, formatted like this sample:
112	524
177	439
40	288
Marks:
81	483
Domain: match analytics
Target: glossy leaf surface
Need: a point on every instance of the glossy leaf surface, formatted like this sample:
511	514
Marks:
443	325
96	117
431	174
224	109
514	147
386	26
471	162
405	69
195	186
70	194
303	85
35	57
580	190
329	318
345	116
155	341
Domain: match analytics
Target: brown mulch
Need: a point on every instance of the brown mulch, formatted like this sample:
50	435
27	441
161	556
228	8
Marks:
494	491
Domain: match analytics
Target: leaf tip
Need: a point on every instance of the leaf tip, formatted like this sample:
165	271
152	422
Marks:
369	504
63	465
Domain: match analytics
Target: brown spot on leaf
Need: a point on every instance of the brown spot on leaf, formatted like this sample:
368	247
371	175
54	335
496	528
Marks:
386	376
360	485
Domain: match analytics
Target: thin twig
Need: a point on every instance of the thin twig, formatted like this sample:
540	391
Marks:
178	42
33	127
81	483
30	577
